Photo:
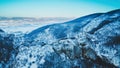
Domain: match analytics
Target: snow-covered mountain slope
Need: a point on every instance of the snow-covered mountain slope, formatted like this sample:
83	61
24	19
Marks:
104	27
91	41
90	23
61	30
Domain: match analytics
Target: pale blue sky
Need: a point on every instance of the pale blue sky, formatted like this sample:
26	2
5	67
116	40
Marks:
55	8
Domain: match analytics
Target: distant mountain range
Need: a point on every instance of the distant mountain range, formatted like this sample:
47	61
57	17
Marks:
16	24
29	19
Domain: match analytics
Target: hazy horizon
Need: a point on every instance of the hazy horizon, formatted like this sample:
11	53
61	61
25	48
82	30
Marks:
55	8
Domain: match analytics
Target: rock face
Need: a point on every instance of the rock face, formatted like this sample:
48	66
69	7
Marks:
91	41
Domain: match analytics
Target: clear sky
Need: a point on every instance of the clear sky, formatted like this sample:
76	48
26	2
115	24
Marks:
55	8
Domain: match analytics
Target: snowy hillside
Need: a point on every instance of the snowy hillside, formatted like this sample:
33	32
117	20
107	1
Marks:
91	41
